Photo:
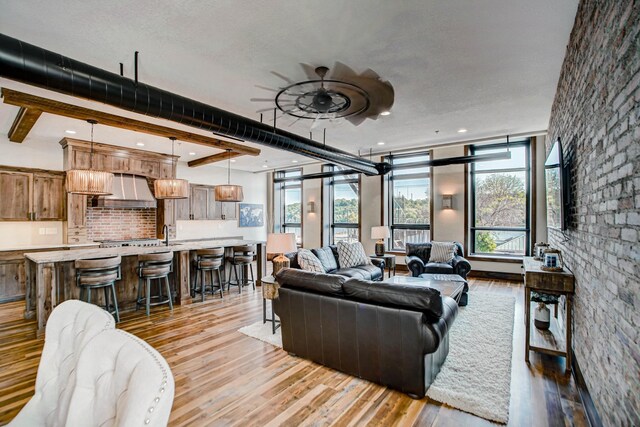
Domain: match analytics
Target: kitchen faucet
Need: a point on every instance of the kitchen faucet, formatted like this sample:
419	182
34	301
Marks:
165	233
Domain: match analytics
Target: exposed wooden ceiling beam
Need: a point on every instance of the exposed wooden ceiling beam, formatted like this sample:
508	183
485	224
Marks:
26	118
212	159
50	106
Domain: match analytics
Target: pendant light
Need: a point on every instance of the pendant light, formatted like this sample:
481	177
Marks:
229	193
171	188
88	181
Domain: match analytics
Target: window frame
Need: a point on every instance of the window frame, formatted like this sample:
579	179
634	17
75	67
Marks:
390	184
330	183
527	143
287	185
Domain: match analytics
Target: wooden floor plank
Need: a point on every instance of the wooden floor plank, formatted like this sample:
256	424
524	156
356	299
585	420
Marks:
226	378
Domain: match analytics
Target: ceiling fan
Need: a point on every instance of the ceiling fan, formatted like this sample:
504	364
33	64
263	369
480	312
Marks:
344	95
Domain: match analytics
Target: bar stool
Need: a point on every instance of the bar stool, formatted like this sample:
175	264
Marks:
207	260
242	257
99	273
154	266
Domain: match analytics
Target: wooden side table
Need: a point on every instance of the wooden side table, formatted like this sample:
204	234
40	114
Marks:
389	261
270	288
555	283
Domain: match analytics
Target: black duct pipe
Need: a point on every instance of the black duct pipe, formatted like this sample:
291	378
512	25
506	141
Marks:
33	65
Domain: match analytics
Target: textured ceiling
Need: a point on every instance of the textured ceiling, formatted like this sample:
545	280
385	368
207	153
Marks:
488	66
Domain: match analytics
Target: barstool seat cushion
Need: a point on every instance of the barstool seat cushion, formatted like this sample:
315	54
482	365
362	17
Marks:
210	263
154	271
99	279
240	259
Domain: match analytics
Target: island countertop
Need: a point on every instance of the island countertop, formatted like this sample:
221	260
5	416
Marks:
79	253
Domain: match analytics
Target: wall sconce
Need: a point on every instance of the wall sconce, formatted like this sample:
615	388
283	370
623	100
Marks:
447	201
311	207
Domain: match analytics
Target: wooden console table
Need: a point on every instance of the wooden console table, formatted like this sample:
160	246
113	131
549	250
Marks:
548	282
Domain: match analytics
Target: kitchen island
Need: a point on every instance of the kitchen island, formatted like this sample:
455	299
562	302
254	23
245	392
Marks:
50	276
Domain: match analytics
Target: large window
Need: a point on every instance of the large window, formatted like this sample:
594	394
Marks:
409	200
291	203
344	206
500	201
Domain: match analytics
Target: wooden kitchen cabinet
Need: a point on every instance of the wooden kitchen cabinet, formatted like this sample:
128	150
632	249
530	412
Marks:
12	276
200	202
48	197
28	194
15	201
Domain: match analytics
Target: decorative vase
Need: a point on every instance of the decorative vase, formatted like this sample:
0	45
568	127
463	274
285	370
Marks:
379	248
542	316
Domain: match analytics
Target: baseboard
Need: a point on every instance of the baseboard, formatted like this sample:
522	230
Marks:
587	402
495	275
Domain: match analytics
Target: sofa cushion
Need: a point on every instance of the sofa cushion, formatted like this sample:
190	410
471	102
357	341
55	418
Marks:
326	257
309	262
415	297
438	267
320	283
352	254
442	251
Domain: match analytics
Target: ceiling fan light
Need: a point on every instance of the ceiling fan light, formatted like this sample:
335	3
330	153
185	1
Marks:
229	193
89	182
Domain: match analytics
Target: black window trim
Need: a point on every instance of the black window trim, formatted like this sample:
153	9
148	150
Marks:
288	185
342	179
472	173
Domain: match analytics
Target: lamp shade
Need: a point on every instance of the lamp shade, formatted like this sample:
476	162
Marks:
229	193
281	243
171	188
89	182
380	232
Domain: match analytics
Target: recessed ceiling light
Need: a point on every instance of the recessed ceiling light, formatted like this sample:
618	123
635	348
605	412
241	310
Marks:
70	132
192	153
233	160
140	144
385	113
294	161
463	130
381	143
265	166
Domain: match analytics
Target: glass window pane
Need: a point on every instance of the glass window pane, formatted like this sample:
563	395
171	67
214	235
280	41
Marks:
292	206
500	199
345	203
349	235
500	242
411	201
400	237
518	159
296	230
410	159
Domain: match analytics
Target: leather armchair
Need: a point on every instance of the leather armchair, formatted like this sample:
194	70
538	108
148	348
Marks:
418	255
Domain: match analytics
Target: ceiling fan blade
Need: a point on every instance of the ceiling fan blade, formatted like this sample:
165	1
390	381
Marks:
285	78
341	71
270	89
309	71
261	99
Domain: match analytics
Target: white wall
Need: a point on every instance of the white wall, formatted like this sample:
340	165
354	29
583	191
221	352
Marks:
254	187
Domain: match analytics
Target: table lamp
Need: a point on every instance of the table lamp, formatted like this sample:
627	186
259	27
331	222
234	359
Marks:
380	232
281	243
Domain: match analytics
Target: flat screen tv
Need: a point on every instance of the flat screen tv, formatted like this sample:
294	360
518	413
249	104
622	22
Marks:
556	187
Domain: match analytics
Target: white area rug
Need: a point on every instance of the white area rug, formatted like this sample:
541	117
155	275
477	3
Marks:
476	377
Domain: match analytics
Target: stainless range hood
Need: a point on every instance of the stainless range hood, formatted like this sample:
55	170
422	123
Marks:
129	191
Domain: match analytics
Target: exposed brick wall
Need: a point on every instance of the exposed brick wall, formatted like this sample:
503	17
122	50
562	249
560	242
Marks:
596	113
120	224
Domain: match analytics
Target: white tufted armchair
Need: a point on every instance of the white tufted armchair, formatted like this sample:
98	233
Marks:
122	381
69	328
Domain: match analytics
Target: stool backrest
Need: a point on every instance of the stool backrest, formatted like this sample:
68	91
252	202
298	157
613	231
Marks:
246	250
157	265
210	253
98	267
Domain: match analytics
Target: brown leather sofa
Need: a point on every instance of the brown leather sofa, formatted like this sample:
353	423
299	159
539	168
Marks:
390	334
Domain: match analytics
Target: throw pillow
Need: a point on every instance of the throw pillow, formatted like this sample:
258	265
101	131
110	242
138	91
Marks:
309	262
325	255
352	255
442	251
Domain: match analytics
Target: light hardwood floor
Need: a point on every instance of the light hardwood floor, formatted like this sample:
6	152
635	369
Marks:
226	378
